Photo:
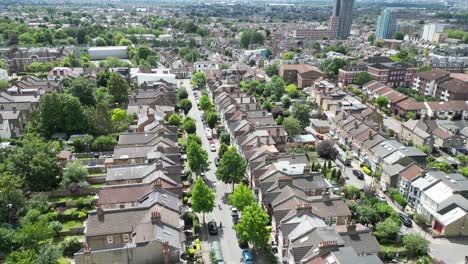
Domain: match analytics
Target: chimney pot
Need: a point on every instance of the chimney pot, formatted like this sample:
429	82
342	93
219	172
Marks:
155	217
100	213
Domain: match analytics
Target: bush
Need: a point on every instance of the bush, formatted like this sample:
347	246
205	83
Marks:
196	225
420	220
56	226
70	246
366	170
399	199
104	143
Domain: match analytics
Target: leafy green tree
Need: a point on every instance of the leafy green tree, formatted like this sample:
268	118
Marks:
143	52
292	126
61	113
371	38
249	37
267	105
331	66
186	105
276	86
104	143
7	243
410	115
382	101
203	198
118	87
292	91
363	77
416	245
272	69
118	115
74	173
12	197
212	119
398	35
199	80
100	42
48	254
174	120
30	234
241	197
387	230
302	113
288	55
182	93
225	138
189	125
197	158
83	89
222	149
35	160
351	192
102	77
231	167
24	256
253	226
205	103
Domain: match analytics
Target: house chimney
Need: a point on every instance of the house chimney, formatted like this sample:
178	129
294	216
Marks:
155	217
325	246
304	207
293	155
284	180
159	165
157	184
134	98
14	109
247	107
35	94
351	227
259	143
48	84
326	195
263	113
100	213
278	131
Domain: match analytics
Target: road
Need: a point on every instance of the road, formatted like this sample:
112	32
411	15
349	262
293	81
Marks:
227	237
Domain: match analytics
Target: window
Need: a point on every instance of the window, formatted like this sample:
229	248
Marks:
110	240
126	237
327	220
335	220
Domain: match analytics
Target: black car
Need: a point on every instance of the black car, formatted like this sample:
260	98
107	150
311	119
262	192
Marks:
212	227
235	219
405	219
358	174
217	161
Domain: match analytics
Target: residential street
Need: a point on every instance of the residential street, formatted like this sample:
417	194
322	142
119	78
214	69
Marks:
229	245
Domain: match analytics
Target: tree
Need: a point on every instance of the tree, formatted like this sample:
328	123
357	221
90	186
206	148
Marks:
189	125
203	198
288	55
118	115
249	37
302	113
186	105
253	226
74	173
104	143
48	253
61	113
398	35
331	66
276	86
382	101
100	42
222	149
31	233
267	105
12	197
197	157
272	69
174	120
292	126
410	115
371	38
212	119
292	90
118	87
205	103
24	256
225	138
231	167
326	149
84	90
387	230
363	77
241	197
416	245
182	93
351	192
143	52
199	80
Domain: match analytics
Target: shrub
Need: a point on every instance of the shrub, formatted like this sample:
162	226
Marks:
399	199
420	220
196	225
104	143
56	226
70	246
366	170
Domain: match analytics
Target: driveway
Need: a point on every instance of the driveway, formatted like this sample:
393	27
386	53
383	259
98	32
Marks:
221	212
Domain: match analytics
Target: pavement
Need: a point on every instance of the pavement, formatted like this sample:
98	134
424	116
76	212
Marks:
221	212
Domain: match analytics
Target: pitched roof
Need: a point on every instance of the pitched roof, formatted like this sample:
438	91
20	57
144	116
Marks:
432	75
411	172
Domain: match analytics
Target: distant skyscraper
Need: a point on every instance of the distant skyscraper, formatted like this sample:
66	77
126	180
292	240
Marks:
343	10
431	30
386	24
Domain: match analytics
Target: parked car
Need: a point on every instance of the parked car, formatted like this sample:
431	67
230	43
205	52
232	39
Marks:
319	136
405	219
381	197
213	147
358	174
217	161
234	212
212	227
247	256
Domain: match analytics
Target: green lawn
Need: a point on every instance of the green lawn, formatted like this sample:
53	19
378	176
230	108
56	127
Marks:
97	174
69	198
73	223
64	260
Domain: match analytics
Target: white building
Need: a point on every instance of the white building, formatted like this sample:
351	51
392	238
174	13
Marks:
430	31
156	75
205	65
102	53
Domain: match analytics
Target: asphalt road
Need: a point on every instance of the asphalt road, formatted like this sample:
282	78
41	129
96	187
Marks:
221	212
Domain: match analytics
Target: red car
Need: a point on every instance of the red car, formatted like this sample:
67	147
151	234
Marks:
319	136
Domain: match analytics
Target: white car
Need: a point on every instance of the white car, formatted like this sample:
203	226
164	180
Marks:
381	197
212	147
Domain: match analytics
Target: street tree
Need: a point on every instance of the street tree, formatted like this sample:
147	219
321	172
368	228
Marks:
118	87
302	113
253	226
189	125
231	167
197	157
292	126
118	115
212	119
186	105
241	197
222	149
416	245
203	198
199	80
182	93
327	149
205	103
174	120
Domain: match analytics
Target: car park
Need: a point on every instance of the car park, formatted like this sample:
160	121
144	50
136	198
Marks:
405	219
212	227
359	174
247	257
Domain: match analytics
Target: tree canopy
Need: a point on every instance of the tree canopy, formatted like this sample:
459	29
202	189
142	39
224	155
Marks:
253	226
197	157
231	167
292	126
241	197
118	87
203	198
